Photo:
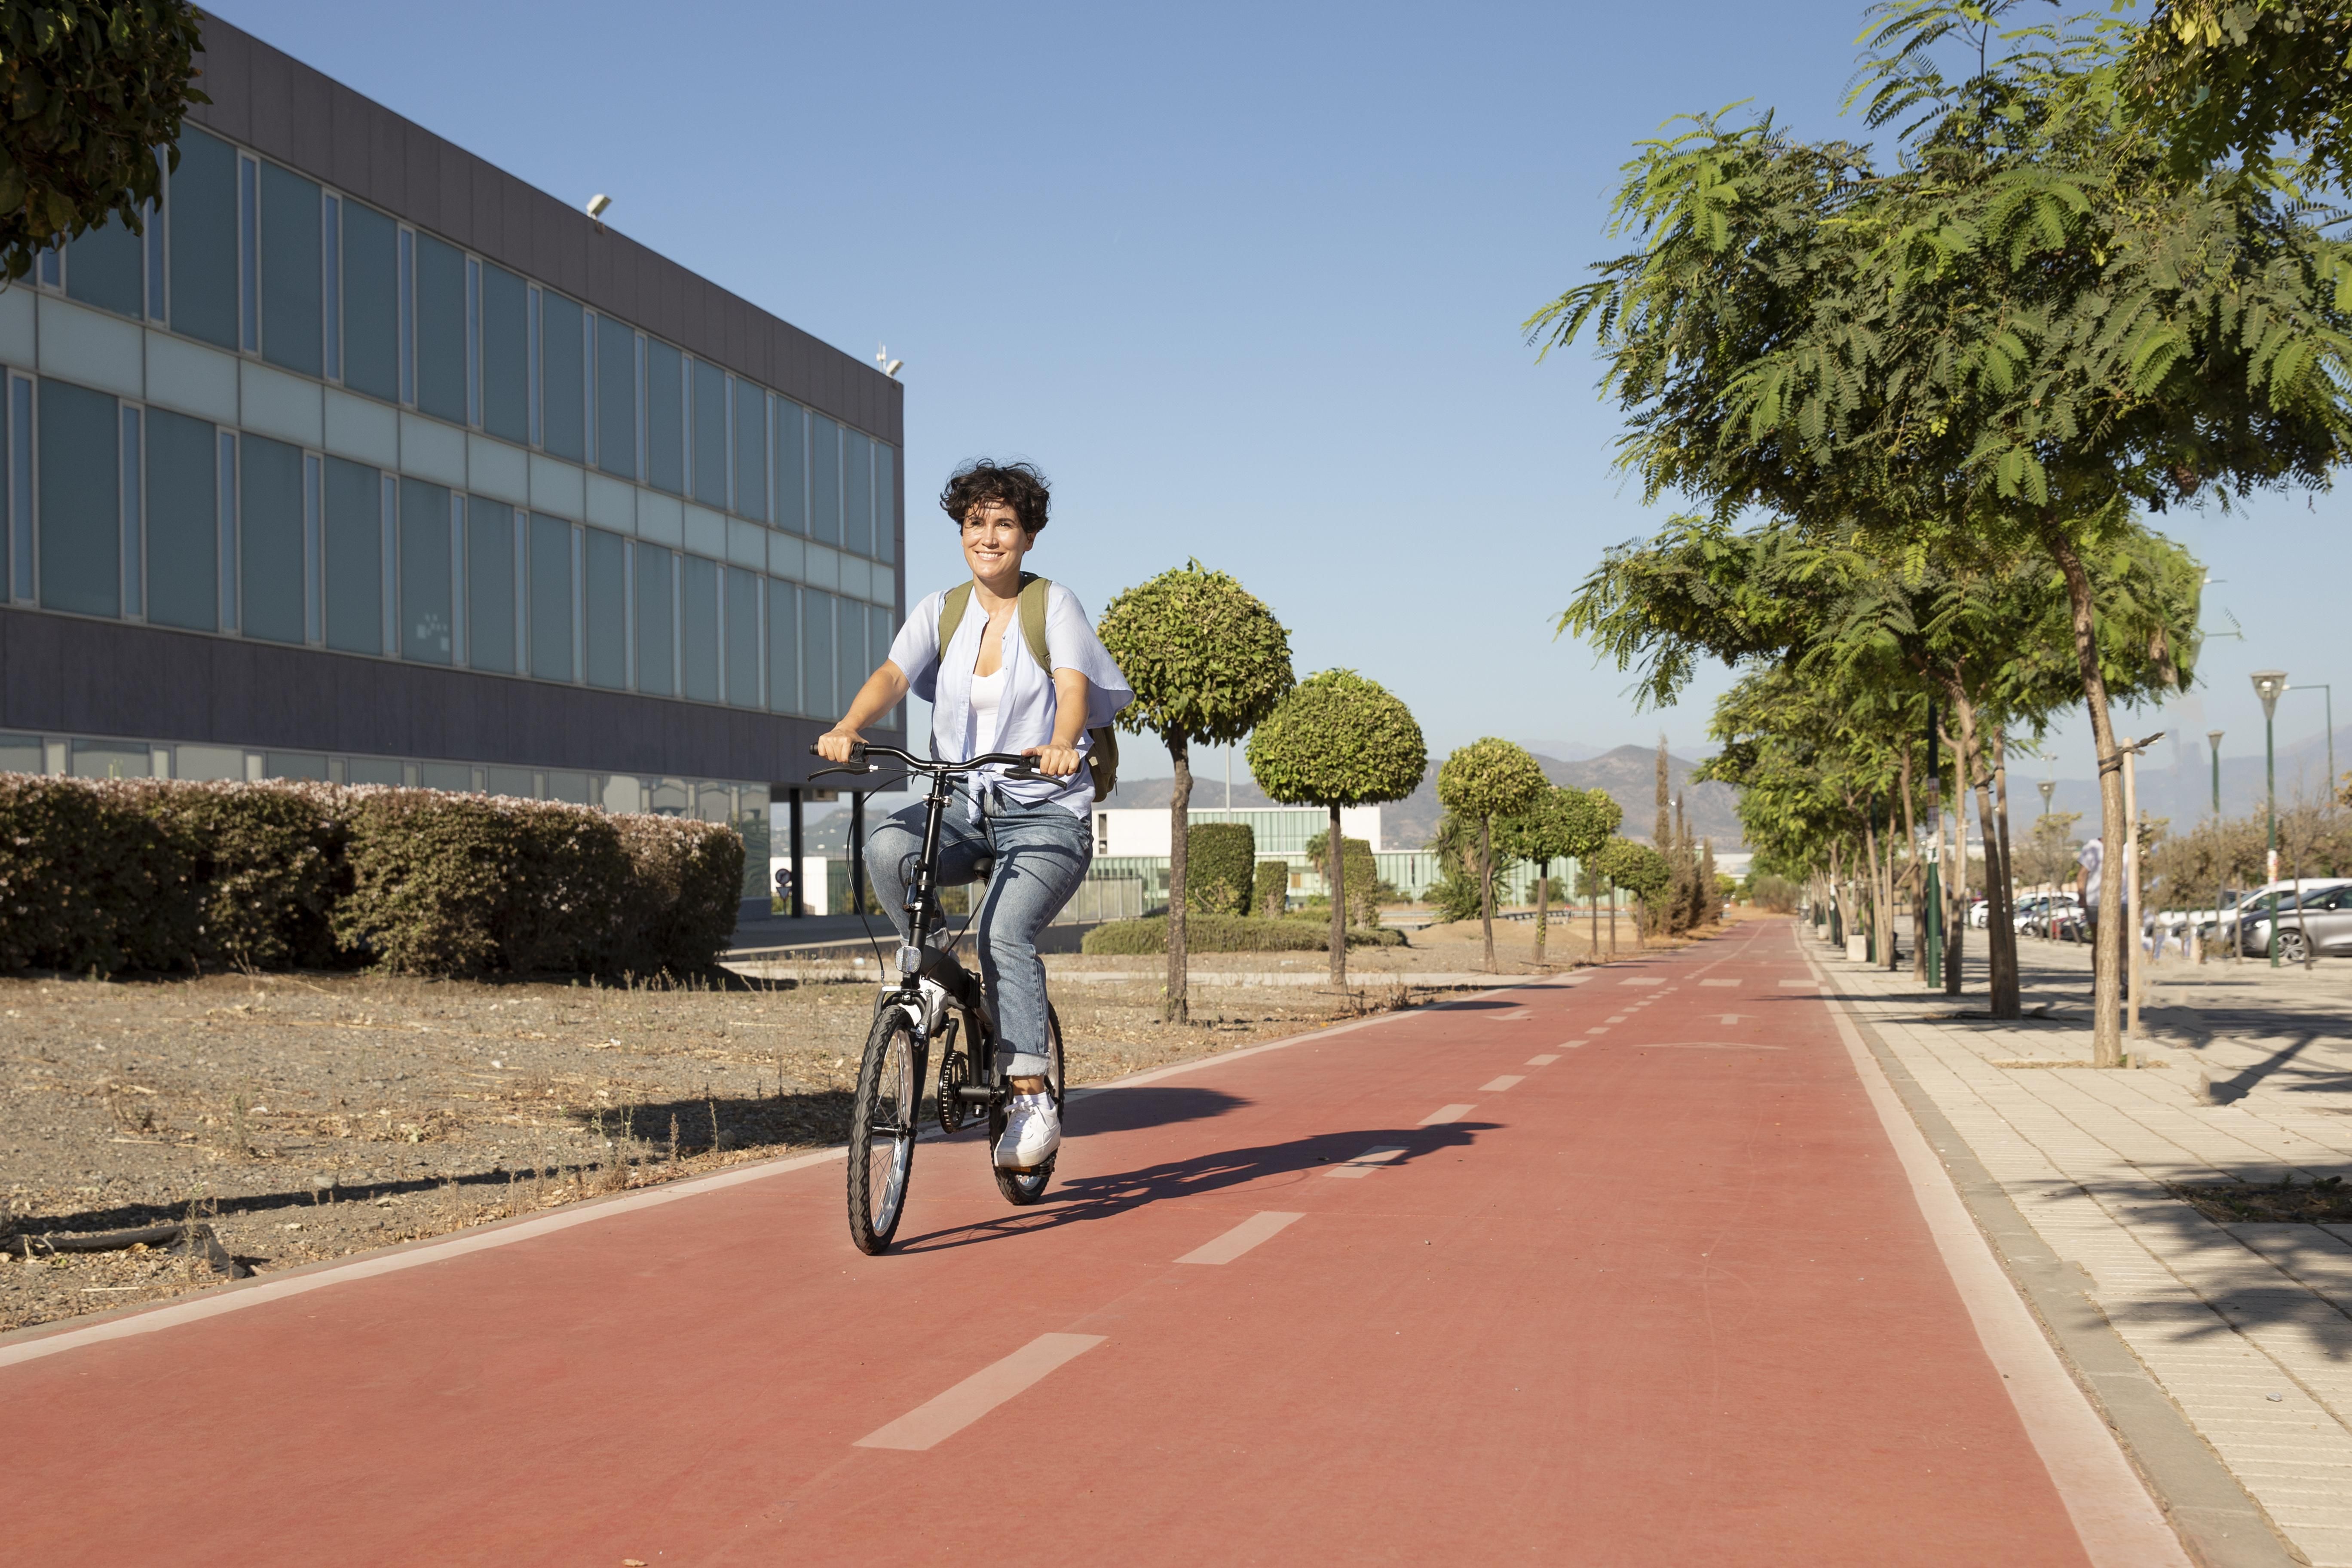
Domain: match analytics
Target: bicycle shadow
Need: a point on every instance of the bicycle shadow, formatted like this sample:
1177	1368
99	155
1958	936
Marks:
1107	1195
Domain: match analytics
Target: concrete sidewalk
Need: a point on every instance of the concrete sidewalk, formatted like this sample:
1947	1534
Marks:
2245	1328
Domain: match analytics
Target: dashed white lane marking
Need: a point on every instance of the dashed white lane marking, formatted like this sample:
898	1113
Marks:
1799	985
1542	1061
1242	1237
1365	1163
1515	1016
1718	983
1508	1080
932	1422
1618	1018
1445	1113
1731	1017
1641	980
1596	1030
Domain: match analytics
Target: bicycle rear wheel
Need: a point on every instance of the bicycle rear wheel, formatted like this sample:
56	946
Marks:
882	1129
1025	1187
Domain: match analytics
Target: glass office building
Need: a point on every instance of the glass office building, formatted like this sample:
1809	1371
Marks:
368	462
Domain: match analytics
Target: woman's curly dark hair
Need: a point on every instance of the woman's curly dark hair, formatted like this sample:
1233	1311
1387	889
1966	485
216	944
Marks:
984	479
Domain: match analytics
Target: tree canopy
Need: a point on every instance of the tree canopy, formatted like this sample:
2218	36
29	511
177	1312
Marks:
1482	781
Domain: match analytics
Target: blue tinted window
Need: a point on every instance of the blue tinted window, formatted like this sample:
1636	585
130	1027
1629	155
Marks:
742	637
489	585
506	383
698	627
791	466
750	449
203	239
183	547
709	435
290	272
657	669
425	622
269	553
551	597
665	417
617	397
354	558
784	647
103	268
856	493
81	501
824	480
605	605
816	655
440	329
885	502
562	419
371	303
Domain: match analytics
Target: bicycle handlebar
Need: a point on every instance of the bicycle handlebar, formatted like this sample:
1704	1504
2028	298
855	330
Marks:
1023	767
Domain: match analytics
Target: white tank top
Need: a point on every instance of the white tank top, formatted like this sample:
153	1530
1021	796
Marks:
987	698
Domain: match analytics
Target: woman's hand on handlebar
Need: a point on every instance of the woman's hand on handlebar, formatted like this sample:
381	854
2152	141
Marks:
835	743
1056	761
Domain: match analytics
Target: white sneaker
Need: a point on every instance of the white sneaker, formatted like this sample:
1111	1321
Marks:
1032	1133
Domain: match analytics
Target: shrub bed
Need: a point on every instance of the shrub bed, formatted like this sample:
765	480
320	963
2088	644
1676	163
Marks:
141	874
1229	933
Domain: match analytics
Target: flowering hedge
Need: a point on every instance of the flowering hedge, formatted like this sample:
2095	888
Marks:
143	874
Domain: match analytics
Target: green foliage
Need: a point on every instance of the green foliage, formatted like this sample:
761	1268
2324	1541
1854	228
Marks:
1271	898
1360	874
1207	660
1338	740
1777	894
1490	777
1228	934
2233	78
92	90
1562	824
159	875
1636	867
1220	868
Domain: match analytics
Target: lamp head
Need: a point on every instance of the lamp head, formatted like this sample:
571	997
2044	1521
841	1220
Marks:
2214	736
2046	786
597	204
2270	685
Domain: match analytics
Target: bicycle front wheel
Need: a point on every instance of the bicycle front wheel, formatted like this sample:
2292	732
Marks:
1025	1187
882	1129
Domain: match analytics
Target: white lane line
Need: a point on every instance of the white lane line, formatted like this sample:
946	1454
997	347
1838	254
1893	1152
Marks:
1731	1017
1445	1113
1242	1237
1508	1080
930	1424
1618	1018
1542	1061
1640	979
1718	983
1596	1031
1365	1163
1799	985
1517	1015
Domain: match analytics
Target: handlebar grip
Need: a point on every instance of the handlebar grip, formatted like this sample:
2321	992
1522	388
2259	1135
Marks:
856	751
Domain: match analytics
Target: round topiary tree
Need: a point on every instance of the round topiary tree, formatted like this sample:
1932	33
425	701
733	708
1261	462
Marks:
1207	661
1338	740
1639	869
1563	823
1487	779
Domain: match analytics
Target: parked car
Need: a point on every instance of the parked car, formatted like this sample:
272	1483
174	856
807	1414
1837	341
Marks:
2319	923
2253	907
2034	912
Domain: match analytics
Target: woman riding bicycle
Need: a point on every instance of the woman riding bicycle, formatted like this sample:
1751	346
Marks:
989	693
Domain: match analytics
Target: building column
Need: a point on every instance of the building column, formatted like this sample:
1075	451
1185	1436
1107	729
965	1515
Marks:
798	906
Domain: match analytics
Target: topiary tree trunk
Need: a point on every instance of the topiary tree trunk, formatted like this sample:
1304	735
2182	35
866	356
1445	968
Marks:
1336	852
1177	1005
1543	904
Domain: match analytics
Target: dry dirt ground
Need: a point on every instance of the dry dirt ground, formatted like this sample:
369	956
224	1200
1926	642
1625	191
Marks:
311	1116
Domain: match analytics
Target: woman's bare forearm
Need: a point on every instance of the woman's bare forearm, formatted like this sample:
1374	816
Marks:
876	697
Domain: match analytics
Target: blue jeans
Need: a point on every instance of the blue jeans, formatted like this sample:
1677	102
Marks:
1042	853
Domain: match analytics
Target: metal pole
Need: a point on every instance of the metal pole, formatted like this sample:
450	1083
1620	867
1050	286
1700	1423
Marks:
2131	890
2050	891
800	902
857	851
2214	736
1932	894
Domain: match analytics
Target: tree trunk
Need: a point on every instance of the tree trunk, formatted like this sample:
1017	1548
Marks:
1543	904
1911	875
1338	853
2000	959
2107	982
1613	917
1886	881
2008	866
1487	886
1177	1008
1956	874
1877	946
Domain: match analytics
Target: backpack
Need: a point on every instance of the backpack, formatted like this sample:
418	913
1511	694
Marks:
1102	755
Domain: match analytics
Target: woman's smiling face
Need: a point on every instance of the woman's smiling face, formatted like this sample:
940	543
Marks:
993	543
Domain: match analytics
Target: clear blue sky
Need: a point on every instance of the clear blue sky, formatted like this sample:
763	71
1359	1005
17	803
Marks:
1246	281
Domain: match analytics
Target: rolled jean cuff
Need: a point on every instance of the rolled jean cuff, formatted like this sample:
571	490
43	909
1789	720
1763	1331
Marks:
1027	1064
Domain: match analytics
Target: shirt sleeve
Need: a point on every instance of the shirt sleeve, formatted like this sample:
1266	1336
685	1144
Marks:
1070	639
916	649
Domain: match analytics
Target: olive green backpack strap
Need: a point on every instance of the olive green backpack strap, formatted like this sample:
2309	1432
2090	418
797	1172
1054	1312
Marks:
952	605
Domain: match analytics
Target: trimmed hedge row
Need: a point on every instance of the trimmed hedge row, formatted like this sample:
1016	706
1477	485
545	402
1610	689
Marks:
1229	933
1220	868
149	874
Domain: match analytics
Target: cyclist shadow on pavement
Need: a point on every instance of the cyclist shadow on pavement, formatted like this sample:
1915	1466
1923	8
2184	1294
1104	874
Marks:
1108	1193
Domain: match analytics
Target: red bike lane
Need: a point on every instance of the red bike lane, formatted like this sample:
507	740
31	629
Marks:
1618	1270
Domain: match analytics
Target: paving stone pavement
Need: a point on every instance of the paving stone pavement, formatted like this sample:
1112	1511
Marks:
2247	1326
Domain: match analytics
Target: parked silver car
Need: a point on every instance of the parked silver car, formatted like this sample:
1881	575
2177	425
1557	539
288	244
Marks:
2321	919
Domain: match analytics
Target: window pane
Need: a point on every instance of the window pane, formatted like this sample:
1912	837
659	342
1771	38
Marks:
617	397
354	558
742	639
709	435
551	597
791	467
441	328
182	558
371	303
885	502
750	450
102	269
203	239
81	512
824	480
290	273
698	625
506	347
784	647
856	492
269	525
849	633
561	430
424	619
489	585
816	654
665	417
607	605
656	670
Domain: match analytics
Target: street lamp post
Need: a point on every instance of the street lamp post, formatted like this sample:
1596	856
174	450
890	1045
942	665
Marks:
2269	685
2214	736
2049	900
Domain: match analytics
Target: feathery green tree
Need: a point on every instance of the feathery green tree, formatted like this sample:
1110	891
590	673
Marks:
1562	824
